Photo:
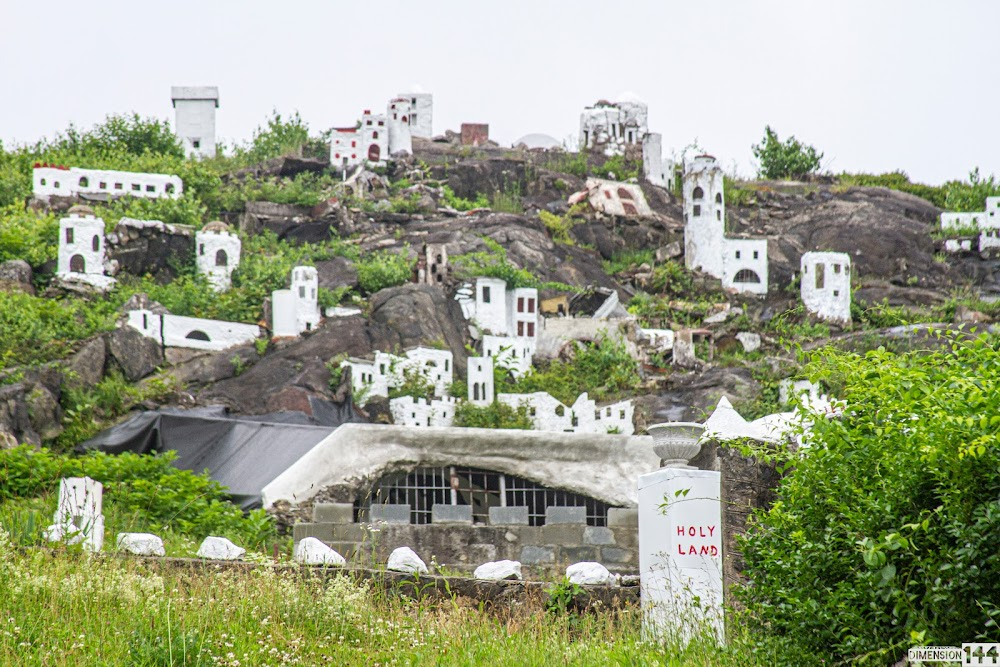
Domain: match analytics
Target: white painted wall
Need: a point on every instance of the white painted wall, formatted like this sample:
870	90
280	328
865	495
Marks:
825	285
421	114
397	118
652	160
296	310
345	149
514	353
194	118
411	411
549	414
81	236
704	215
386	371
63	182
617	198
680	552
491	305
749	255
480	380
177	331
659	339
79	516
217	255
611	126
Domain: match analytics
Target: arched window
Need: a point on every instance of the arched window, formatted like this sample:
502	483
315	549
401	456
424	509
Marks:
374	132
746	276
374	153
84	182
698	193
221	258
77	264
95	243
718	197
624	194
198	335
169	188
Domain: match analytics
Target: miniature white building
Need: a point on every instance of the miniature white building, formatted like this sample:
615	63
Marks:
82	250
421	113
661	340
740	264
387	371
296	309
515	353
433	267
480	380
79	516
654	169
496	310
191	332
610	127
549	414
194	119
397	119
217	254
51	180
826	285
413	411
986	224
345	150
367	143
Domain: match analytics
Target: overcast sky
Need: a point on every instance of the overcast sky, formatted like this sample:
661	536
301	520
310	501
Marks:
875	84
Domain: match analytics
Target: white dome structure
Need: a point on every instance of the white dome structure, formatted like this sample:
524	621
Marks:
538	140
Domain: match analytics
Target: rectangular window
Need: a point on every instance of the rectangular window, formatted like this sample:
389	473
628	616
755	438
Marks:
737	254
520	328
486	293
150	188
118	186
520	304
820	276
531	329
103	186
69	235
196	143
302	292
697	210
836	268
531	305
136	187
756	254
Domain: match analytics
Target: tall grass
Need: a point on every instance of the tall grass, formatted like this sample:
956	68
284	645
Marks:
65	608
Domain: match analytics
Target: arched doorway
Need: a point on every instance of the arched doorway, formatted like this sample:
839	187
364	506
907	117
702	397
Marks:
77	264
198	335
221	258
746	276
374	153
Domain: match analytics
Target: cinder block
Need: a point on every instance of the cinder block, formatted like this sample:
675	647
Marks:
333	513
563	534
598	535
389	513
616	555
578	554
321	531
627	538
451	514
565	515
625	517
349	532
509	516
532	555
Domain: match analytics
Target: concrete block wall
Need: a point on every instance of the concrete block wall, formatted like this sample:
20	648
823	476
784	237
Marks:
454	541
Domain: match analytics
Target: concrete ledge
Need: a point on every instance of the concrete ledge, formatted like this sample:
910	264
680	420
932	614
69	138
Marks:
576	515
333	513
625	517
389	513
509	516
451	514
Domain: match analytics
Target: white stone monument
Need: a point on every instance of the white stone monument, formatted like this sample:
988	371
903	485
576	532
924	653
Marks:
218	254
296	310
680	539
82	250
194	122
826	285
79	517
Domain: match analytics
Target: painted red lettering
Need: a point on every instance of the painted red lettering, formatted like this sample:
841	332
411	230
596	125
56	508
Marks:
692	531
680	530
711	530
715	551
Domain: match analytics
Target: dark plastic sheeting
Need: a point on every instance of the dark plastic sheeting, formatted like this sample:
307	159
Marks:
243	453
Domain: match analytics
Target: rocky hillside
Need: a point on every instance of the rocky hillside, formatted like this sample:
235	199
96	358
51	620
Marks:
507	209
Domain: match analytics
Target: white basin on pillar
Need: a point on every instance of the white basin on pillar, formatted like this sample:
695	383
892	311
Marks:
676	443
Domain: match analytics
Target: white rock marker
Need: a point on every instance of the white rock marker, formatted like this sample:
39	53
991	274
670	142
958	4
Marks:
141	544
219	548
311	551
497	570
404	559
589	573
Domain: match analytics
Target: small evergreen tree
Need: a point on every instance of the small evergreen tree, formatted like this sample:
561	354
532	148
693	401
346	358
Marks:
788	159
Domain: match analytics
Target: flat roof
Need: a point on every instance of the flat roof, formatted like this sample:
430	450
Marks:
194	93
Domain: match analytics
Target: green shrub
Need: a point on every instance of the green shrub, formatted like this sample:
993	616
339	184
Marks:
279	137
788	159
494	415
449	198
626	260
621	167
383	269
493	263
885	532
146	486
671	279
605	369
559	226
29	235
305	189
896	180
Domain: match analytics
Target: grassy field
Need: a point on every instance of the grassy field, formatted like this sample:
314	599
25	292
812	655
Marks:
66	608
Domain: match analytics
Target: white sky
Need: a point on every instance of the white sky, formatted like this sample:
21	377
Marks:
875	84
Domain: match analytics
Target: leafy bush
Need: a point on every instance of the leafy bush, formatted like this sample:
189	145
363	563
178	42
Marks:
559	226
305	189
672	279
621	167
28	235
279	137
493	263
494	415
788	159
628	259
383	269
605	369
885	533
146	486
449	198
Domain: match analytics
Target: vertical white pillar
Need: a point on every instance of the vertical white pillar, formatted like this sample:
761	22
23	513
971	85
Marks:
680	553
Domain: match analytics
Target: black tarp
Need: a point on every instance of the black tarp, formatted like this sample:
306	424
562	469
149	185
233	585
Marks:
243	453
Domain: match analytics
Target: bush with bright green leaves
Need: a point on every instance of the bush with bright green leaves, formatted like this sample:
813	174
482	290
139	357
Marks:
147	488
604	369
494	415
29	235
886	529
785	159
383	269
493	263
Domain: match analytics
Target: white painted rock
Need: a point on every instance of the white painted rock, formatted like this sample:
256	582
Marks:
501	569
141	544
749	340
404	559
311	551
589	574
219	548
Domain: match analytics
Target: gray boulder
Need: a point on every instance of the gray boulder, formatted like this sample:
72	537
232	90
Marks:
136	355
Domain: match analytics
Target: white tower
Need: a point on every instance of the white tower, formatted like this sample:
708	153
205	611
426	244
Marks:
81	244
194	120
374	138
826	285
421	113
218	254
704	216
296	309
480	380
398	120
